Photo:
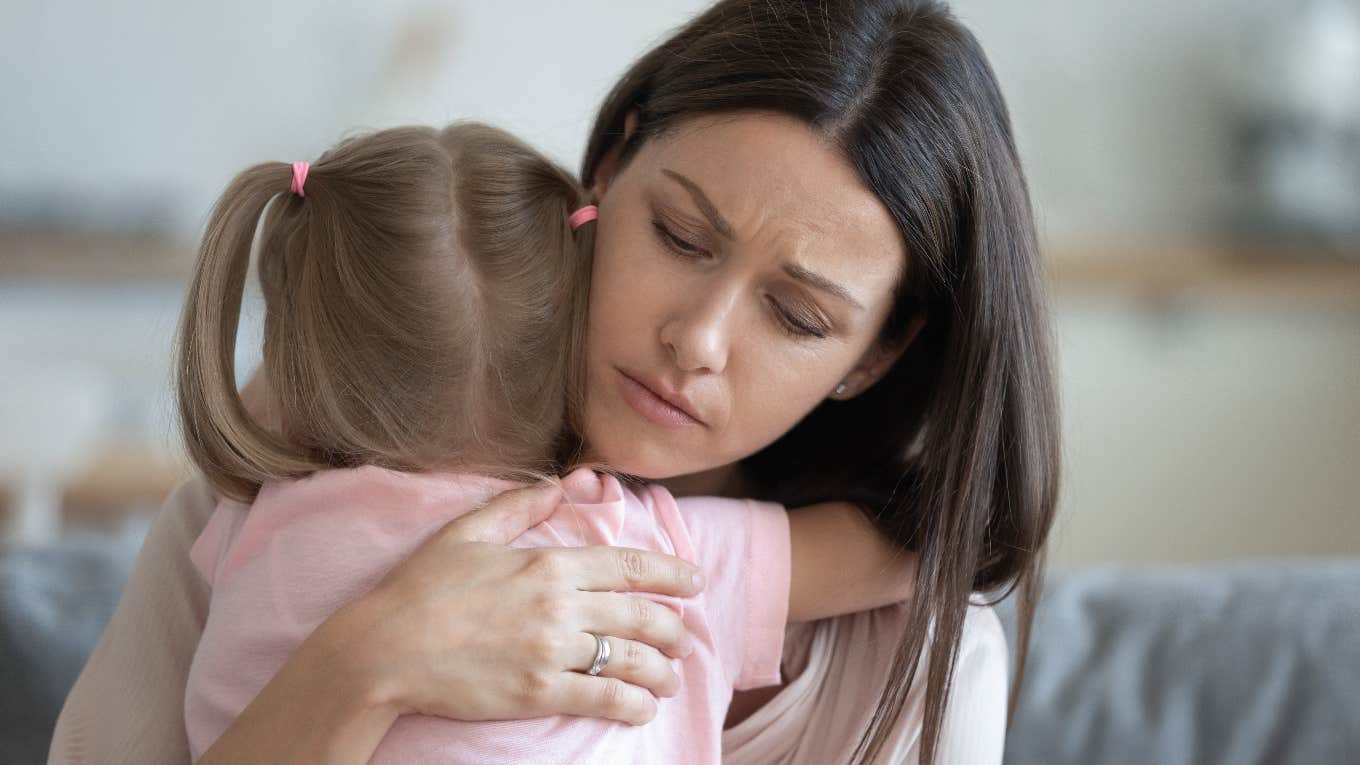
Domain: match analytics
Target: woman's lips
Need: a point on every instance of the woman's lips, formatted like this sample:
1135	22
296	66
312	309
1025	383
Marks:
647	403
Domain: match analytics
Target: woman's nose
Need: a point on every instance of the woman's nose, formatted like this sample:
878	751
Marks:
698	334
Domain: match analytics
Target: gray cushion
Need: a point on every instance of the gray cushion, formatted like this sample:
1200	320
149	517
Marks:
1235	664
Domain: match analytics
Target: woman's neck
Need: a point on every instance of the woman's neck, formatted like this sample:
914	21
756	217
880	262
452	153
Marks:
725	481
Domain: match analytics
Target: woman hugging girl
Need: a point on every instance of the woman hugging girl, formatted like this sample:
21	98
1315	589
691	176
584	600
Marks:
425	303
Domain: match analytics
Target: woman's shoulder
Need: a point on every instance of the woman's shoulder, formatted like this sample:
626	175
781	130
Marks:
974	726
982	632
982	642
984	656
144	655
182	519
190	503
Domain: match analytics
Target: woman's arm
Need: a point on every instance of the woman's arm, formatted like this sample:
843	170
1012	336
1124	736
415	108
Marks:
843	564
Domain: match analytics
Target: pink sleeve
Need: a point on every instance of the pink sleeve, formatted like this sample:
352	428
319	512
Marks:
209	550
769	563
742	546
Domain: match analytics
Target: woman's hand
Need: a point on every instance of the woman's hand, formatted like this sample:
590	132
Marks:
470	629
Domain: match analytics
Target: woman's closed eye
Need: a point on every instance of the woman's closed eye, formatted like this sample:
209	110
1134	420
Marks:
677	244
799	324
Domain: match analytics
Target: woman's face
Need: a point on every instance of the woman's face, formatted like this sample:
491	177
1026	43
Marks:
742	271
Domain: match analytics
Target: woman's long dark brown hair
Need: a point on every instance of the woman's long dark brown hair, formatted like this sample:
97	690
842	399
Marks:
955	453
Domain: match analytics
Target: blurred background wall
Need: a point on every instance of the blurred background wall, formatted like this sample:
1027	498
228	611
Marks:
1194	167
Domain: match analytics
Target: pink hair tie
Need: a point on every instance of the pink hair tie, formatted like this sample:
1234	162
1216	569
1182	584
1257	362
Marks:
299	177
589	212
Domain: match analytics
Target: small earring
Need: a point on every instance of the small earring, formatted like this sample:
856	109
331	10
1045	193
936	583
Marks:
840	389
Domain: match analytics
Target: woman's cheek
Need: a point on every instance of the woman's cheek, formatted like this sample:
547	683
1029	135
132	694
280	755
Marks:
785	384
623	277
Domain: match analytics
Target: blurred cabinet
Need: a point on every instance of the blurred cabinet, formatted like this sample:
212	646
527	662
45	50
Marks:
1211	404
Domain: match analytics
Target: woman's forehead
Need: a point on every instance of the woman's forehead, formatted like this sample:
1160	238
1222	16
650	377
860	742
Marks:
774	179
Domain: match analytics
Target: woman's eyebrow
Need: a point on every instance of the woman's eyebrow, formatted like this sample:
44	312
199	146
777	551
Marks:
705	206
822	283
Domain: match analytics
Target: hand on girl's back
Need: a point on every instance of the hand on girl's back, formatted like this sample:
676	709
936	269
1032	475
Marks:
471	629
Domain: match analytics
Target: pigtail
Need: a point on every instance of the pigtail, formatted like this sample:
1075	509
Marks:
234	451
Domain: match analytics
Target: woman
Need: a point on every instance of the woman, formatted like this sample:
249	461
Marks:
815	278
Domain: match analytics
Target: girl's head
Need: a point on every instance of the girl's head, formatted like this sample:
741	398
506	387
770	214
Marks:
424	303
796	197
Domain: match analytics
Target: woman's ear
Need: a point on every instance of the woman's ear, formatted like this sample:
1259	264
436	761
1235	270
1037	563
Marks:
609	162
876	362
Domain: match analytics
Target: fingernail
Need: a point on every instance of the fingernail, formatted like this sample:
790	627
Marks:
698	580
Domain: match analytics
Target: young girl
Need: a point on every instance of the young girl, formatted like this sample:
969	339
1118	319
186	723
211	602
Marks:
425	296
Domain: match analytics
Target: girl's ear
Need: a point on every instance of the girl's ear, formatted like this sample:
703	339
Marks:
876	362
609	163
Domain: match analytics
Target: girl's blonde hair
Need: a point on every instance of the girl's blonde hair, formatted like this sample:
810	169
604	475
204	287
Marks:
425	308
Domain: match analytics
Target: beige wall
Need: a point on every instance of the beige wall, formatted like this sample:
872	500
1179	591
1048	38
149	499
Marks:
1208	433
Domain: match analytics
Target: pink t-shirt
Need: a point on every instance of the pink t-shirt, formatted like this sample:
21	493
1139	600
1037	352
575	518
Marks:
280	566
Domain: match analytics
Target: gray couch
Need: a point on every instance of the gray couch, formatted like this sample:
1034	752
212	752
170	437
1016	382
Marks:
1219	665
1223	665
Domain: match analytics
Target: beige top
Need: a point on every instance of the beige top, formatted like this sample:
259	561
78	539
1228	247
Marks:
127	705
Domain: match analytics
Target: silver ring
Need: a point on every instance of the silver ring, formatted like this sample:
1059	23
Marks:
601	654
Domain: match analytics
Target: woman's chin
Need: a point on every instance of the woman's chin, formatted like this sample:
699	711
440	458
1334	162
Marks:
648	469
647	461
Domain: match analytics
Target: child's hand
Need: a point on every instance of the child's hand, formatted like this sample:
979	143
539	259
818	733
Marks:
471	629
